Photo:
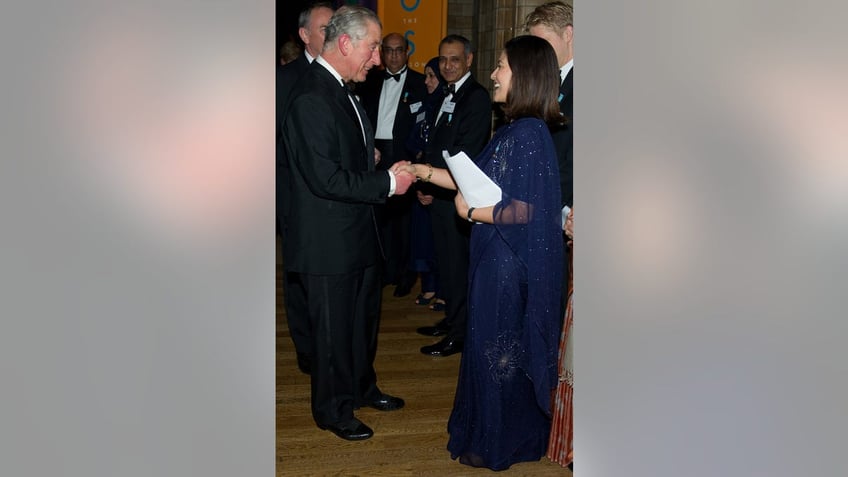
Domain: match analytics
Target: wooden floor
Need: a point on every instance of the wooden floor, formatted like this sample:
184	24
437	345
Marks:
411	441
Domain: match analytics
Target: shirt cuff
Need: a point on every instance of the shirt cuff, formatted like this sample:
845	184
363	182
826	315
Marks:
392	183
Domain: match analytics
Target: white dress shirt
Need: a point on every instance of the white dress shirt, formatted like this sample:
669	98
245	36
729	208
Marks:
387	109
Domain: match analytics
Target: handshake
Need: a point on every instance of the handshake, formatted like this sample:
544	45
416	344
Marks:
404	173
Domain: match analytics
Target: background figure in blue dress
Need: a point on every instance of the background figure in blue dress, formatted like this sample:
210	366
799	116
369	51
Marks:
502	409
423	254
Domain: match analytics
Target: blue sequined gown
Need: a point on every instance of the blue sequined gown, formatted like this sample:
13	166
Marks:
502	409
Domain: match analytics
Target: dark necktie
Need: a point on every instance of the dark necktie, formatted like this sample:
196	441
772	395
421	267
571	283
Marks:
396	76
450	89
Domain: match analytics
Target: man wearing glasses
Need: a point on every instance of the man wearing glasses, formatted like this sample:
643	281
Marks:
392	99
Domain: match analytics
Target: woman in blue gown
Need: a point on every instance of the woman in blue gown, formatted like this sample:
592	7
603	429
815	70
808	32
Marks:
508	371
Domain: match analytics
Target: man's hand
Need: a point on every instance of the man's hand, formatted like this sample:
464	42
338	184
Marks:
403	180
401	165
377	156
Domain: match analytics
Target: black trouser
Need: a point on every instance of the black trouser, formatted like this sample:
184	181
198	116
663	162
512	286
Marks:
344	311
297	313
393	219
451	242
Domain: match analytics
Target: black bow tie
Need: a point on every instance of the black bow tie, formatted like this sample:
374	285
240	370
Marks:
396	76
348	87
450	89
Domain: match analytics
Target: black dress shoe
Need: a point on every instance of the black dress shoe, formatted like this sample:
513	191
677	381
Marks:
386	403
304	363
353	430
440	329
446	347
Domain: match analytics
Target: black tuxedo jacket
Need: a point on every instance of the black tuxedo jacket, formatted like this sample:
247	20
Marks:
563	140
467	129
287	76
414	92
333	181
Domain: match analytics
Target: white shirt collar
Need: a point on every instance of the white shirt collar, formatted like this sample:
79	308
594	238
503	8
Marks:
321	61
462	80
309	57
563	72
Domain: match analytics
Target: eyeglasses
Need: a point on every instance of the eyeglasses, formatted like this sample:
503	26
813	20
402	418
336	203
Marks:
394	51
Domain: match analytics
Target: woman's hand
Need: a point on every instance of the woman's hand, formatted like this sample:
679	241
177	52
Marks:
568	228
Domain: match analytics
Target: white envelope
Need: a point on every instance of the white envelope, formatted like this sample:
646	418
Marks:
475	185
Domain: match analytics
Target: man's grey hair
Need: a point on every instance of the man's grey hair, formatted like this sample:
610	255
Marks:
352	20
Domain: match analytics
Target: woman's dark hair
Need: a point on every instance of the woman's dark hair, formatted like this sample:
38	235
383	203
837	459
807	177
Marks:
535	80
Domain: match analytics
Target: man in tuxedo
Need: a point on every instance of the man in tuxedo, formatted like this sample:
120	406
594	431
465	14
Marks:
554	22
392	98
332	236
462	124
311	24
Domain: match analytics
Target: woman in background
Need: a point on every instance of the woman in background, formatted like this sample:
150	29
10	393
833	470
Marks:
423	256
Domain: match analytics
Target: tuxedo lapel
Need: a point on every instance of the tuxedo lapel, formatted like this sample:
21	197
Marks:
456	98
567	85
344	101
351	105
442	119
350	102
369	133
403	103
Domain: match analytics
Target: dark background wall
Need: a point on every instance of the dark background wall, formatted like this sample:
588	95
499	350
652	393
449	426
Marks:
287	11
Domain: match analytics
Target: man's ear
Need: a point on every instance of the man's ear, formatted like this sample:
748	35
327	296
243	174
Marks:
469	59
344	44
301	32
568	34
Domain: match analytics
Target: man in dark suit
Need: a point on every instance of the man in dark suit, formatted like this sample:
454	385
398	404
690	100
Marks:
311	24
554	22
462	124
392	98
332	241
